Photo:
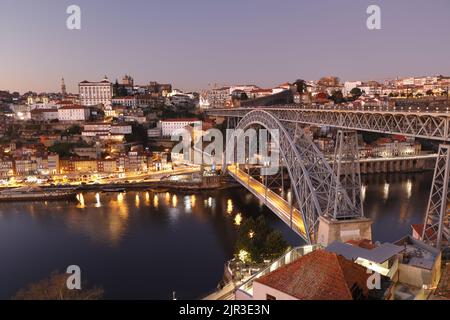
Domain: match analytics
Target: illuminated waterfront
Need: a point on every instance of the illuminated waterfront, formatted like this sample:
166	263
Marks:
147	244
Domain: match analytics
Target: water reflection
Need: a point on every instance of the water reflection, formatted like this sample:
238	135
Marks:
131	231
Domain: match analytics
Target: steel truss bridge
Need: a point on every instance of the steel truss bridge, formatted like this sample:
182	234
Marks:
318	188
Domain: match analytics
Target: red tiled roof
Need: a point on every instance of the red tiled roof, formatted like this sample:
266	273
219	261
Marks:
320	275
364	243
69	107
181	120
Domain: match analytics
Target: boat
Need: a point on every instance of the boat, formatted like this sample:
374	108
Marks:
37	194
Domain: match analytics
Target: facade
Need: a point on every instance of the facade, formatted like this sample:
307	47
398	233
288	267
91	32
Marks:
44	114
73	113
172	126
95	93
6	168
129	101
218	97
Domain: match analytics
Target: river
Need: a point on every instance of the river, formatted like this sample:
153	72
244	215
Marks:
146	245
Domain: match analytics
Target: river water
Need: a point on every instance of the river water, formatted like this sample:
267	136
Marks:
146	245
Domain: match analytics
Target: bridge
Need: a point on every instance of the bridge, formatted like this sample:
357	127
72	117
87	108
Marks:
419	124
325	198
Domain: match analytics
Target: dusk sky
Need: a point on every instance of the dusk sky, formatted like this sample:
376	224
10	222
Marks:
194	43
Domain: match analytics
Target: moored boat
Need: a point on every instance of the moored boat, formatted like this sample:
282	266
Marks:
37	194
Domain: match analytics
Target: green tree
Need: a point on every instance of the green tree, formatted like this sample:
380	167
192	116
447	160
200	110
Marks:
259	240
337	97
301	86
356	92
275	245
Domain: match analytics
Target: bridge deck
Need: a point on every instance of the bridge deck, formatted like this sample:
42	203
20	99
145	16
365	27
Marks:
272	200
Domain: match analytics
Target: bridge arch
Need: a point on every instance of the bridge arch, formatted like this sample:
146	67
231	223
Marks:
310	174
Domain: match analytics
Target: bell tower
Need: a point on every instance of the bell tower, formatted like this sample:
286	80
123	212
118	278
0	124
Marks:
63	88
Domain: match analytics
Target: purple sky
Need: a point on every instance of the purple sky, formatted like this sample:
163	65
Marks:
193	43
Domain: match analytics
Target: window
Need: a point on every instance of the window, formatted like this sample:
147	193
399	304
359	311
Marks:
270	298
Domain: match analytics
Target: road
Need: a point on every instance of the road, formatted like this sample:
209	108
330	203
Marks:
278	205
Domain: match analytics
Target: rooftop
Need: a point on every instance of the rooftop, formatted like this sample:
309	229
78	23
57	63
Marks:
417	253
378	254
320	275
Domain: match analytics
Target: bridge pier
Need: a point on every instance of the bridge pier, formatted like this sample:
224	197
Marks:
436	231
331	230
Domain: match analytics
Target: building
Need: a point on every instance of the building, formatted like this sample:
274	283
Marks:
319	275
172	126
217	97
44	114
6	168
129	101
73	113
95	93
349	86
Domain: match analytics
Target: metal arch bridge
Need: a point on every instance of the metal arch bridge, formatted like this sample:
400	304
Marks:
322	190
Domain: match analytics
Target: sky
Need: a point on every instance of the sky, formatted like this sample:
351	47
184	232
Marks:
197	43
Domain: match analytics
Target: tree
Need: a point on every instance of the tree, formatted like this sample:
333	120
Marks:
275	245
73	130
356	92
301	86
259	241
55	288
429	92
337	96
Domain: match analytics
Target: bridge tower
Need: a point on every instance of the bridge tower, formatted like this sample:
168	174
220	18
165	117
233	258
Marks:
436	231
344	220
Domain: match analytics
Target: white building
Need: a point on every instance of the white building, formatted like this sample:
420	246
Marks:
349	86
173	126
73	113
121	129
125	101
95	93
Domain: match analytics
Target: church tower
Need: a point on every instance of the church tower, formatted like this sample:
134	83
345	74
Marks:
63	88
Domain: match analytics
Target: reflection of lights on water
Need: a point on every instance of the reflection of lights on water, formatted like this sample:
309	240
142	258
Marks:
137	201
193	200
230	206
147	198
238	219
409	188
187	203
98	203
80	199
363	192
168	198
120	198
210	203
174	201
386	191
156	201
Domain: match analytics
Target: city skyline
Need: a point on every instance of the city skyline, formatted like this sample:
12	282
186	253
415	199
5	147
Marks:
198	44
